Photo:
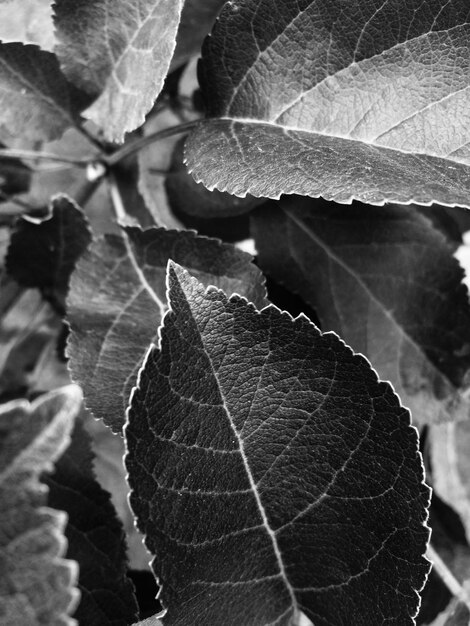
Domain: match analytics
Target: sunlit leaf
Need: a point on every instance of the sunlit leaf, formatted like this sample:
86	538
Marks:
119	51
348	100
271	472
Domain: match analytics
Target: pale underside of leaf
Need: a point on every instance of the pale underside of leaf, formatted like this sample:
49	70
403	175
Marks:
265	160
38	584
218	439
387	86
121	51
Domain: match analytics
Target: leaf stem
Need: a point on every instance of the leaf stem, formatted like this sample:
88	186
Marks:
143	142
116	200
448	577
31	155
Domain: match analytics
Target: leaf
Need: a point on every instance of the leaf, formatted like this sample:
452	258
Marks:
119	51
35	98
95	538
111	474
38	585
387	282
364	101
194	199
117	300
197	18
271	472
29	332
451	467
28	21
43	253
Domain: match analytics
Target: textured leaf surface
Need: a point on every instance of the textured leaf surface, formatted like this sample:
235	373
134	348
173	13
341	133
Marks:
118	298
341	99
387	282
271	472
35	98
43	253
38	585
120	51
95	538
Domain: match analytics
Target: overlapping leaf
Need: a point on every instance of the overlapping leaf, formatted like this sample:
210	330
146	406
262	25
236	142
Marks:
345	100
95	538
118	297
38	585
119	51
43	253
271	472
387	282
35	98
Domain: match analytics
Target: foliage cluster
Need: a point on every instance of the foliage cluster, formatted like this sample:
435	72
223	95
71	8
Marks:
229	295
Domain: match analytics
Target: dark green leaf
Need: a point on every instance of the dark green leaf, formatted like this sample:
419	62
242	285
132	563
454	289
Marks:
119	51
348	100
271	472
197	18
37	584
43	253
35	98
118	298
386	281
95	538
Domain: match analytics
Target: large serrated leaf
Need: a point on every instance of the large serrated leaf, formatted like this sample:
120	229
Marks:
35	98
344	99
95	538
119	51
387	282
271	472
118	297
37	584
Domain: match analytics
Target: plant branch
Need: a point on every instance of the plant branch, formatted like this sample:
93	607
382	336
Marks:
447	577
31	155
139	144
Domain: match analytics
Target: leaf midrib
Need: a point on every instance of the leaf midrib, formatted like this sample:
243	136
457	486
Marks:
254	490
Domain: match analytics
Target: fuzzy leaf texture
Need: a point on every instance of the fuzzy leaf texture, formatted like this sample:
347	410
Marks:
344	99
118	297
271	472
43	253
95	537
36	100
119	51
37	584
386	281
